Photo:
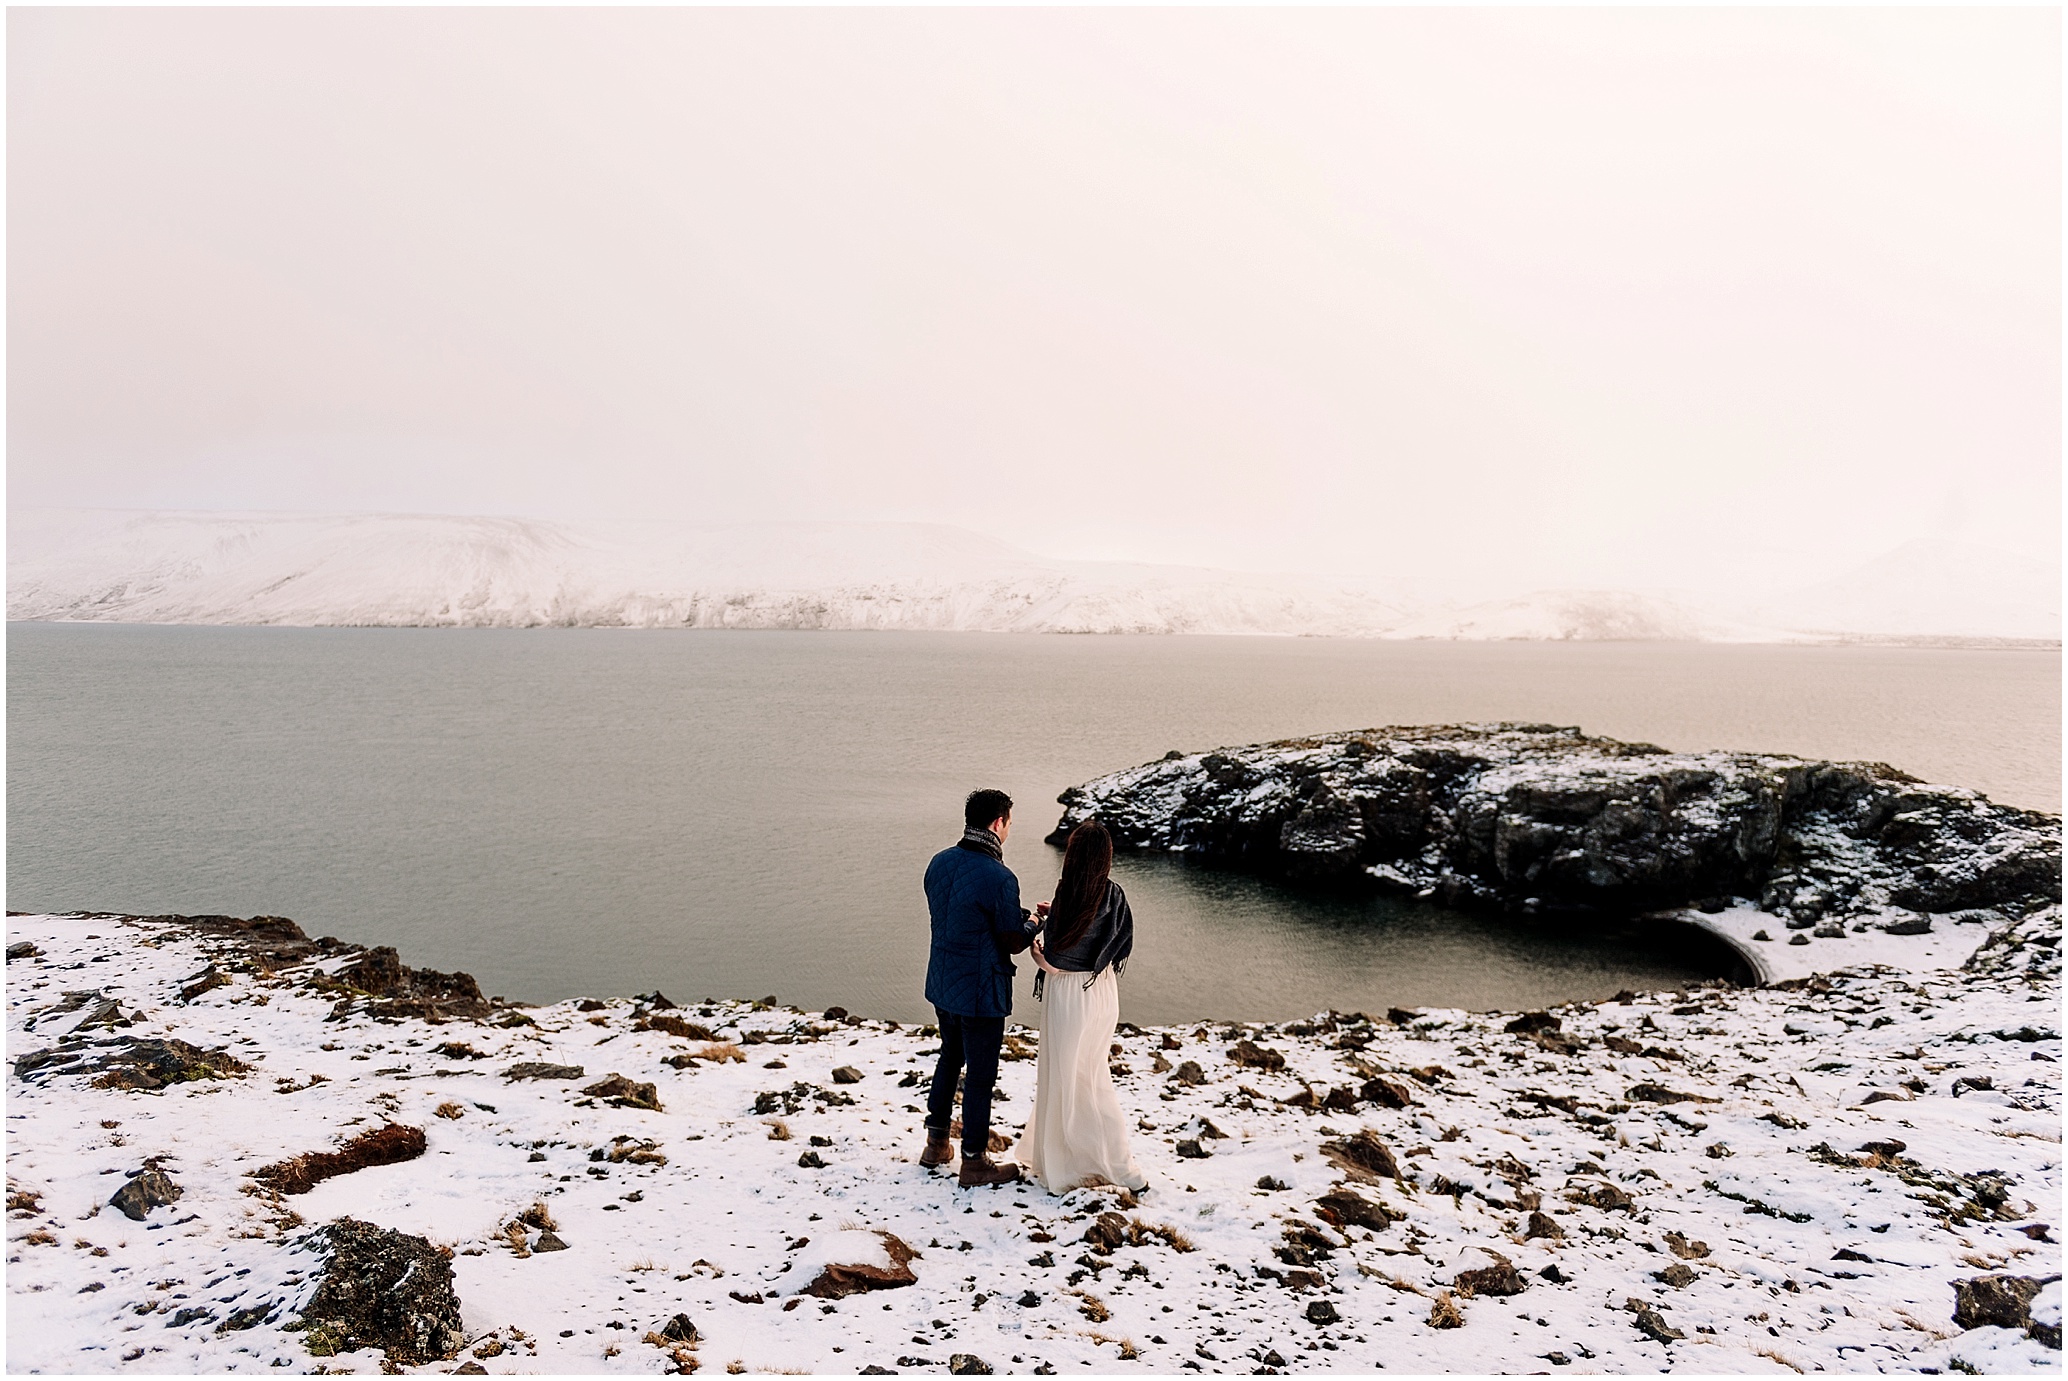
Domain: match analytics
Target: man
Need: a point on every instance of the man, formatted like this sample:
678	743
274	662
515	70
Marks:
978	921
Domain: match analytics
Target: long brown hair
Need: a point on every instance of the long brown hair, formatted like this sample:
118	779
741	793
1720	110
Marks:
1087	863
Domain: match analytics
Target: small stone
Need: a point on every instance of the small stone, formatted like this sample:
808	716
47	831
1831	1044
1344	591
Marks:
1558	1359
1679	1275
1321	1313
1190	1149
968	1364
549	1241
1190	1073
1272	1182
23	949
144	1191
1029	1300
1651	1323
810	1161
1757	935
1913	925
1998	1301
1543	1225
1829	931
1553	1274
1798	939
847	1074
681	1330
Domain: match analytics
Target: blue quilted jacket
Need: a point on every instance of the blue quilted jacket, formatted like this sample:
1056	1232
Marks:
977	921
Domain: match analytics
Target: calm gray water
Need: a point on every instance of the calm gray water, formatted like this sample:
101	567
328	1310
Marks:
594	811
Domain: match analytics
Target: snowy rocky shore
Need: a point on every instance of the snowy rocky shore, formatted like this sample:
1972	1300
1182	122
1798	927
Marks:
234	1148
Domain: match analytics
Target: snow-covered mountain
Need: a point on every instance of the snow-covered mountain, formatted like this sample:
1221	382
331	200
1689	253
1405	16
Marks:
420	570
1585	616
385	569
1933	588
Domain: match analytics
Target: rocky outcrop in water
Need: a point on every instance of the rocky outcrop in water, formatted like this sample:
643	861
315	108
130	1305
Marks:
1538	818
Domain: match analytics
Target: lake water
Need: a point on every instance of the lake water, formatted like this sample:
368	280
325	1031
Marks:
572	811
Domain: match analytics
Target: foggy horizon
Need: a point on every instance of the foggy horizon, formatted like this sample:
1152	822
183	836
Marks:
1631	299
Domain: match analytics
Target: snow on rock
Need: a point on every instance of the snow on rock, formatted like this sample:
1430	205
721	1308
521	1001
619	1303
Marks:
1715	1180
1588	616
1537	818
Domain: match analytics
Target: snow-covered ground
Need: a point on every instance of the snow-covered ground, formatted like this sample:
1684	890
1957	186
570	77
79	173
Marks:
1678	1179
426	570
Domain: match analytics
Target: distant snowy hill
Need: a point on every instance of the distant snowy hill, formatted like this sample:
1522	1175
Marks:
382	569
417	570
1930	588
1584	616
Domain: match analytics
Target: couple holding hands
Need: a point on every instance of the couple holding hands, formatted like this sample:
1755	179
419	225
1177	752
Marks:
1081	939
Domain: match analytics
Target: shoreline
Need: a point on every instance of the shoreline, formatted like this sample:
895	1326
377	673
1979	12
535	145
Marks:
1669	1183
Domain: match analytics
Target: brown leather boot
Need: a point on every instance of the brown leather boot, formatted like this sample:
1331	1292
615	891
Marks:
979	1170
939	1150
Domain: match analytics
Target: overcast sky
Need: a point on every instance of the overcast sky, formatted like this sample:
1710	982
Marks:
1559	297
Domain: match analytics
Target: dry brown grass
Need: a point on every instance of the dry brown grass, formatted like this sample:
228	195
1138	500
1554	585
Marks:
1128	1350
718	1052
1091	1306
778	1130
386	1145
451	1112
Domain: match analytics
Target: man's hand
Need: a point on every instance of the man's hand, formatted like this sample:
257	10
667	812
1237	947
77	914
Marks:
1041	909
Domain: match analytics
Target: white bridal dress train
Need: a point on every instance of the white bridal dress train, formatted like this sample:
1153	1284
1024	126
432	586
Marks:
1077	1134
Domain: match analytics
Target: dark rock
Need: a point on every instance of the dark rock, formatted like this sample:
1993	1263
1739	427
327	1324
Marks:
208	980
676	1026
549	1241
539	1069
681	1330
1995	1301
146	1064
847	1074
835	1014
384	1289
837	1281
811	1160
1679	1275
1553	1274
1387	1093
590	1004
1190	1149
1533	816
1604	1196
626	1093
967	1364
145	1190
1345	1207
1683	1248
1659	1093
1798	939
1190	1073
1029	1300
1363	1157
1532	1021
22	949
1501	1278
1543	1225
1250	1055
1651	1323
1272	1182
401	991
1321	1313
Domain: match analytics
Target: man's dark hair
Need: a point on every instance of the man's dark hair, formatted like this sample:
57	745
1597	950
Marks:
983	807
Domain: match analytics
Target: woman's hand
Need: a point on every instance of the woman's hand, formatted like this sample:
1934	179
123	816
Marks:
1041	909
1040	958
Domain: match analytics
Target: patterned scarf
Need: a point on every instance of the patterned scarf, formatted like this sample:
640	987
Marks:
982	841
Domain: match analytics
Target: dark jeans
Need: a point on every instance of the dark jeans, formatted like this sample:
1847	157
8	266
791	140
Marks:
971	1041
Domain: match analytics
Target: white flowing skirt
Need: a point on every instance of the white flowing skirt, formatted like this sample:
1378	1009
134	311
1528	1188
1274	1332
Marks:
1077	1134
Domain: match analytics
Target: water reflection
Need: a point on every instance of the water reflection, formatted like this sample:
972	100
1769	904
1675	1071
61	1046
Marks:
1246	949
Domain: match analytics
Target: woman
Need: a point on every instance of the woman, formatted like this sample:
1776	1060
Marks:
1077	1135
